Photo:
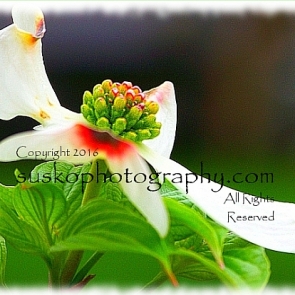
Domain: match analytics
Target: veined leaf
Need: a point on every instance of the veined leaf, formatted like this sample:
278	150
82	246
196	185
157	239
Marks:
246	261
6	194
245	265
43	207
75	186
71	179
103	225
186	267
53	172
238	263
20	234
193	220
111	191
170	191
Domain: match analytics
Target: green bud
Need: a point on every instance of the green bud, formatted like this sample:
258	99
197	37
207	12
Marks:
107	85
119	103
140	124
119	126
152	107
143	134
154	132
130	135
87	97
103	123
123	109
96	86
133	116
98	91
157	125
118	107
91	119
86	110
101	108
150	120
147	122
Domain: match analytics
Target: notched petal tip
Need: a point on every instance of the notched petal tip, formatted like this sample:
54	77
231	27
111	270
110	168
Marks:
161	93
29	19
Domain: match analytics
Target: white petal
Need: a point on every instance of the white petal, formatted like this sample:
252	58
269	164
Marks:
149	203
164	95
277	235
25	89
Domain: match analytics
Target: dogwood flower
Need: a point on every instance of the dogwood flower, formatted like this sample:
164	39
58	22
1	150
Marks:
26	91
124	139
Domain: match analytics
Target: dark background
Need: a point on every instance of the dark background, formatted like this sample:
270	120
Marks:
234	77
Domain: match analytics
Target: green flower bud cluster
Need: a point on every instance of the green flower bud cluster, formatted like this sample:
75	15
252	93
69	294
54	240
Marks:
122	108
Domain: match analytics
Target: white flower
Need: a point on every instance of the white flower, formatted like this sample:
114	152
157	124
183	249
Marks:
26	91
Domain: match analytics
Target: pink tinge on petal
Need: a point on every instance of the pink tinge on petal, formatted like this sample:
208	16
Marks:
101	141
164	95
40	28
160	93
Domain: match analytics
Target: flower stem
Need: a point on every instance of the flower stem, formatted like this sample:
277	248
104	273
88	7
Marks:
55	265
69	269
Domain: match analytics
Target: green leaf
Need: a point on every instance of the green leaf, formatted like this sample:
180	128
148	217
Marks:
103	225
247	262
245	265
20	234
43	207
3	257
183	215
170	191
238	263
51	172
111	191
74	187
6	194
192	269
186	267
71	179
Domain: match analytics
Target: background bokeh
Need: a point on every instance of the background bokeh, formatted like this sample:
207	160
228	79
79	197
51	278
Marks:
234	78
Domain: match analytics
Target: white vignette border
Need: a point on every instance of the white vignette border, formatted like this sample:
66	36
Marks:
162	8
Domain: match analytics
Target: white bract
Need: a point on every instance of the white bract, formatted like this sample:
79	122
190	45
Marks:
26	91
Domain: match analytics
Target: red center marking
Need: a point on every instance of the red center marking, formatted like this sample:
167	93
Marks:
102	141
